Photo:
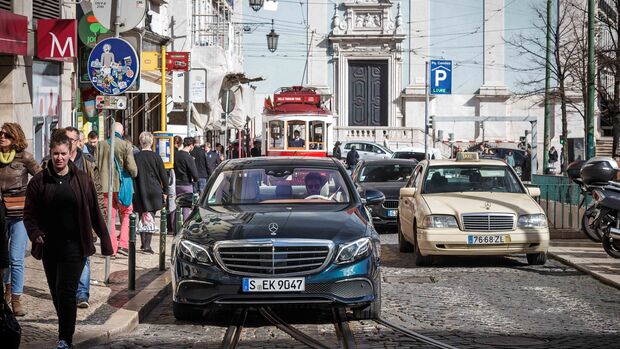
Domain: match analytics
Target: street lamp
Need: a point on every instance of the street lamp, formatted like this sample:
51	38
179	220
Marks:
256	4
272	39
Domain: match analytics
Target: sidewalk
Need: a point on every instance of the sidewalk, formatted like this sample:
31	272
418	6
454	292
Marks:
113	309
588	257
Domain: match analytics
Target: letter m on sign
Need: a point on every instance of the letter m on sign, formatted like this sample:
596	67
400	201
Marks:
56	39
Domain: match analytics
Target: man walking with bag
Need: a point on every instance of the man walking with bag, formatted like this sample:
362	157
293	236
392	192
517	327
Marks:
122	185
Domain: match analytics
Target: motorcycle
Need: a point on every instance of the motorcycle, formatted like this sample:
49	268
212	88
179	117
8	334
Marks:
600	173
591	221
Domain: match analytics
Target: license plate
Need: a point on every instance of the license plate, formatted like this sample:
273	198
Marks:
274	285
488	239
392	213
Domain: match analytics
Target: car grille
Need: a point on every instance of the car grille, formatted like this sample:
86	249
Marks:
488	222
273	257
390	204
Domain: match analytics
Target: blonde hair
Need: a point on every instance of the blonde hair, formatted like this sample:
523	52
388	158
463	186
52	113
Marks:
146	139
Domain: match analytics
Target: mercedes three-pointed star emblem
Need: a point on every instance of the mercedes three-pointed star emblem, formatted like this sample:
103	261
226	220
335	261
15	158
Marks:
487	205
273	228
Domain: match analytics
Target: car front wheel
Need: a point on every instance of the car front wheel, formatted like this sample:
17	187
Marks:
184	312
403	245
373	310
537	258
420	260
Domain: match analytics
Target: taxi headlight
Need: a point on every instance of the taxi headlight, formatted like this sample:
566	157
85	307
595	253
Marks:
194	253
352	251
439	221
532	221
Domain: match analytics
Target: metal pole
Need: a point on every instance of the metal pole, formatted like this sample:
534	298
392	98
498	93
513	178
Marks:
591	146
534	133
131	263
163	88
111	168
426	111
179	220
163	230
226	112
547	125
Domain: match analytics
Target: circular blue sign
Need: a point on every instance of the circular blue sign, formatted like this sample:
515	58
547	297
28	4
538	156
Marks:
113	66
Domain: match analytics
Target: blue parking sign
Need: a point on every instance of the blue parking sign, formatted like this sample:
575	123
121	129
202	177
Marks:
441	77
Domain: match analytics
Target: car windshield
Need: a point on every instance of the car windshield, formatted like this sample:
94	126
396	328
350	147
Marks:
278	185
409	155
385	173
449	179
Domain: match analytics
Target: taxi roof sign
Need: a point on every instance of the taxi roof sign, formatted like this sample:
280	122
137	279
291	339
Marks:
467	156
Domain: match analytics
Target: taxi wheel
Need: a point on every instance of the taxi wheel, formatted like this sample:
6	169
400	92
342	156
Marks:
420	260
403	245
537	258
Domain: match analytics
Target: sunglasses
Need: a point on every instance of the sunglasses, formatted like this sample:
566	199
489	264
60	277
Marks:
5	135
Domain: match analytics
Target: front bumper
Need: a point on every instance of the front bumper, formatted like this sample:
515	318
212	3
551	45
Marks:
454	242
381	215
350	284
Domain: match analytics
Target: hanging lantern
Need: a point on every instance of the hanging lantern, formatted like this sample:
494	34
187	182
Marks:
256	4
272	39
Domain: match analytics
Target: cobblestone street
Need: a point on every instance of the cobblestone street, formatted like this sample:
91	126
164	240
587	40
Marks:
465	302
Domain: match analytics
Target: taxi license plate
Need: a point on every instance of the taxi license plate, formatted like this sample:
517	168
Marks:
274	285
392	213
488	239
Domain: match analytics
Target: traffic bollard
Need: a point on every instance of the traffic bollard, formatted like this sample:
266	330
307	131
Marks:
163	231
132	252
179	219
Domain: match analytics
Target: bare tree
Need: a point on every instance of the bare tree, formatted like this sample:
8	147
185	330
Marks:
568	64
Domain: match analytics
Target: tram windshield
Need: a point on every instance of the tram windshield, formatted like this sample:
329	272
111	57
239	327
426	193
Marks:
297	135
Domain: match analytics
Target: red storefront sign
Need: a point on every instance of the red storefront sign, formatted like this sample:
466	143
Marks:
178	61
56	38
13	33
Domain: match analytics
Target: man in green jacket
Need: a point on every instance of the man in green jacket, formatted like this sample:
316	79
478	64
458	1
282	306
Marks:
123	153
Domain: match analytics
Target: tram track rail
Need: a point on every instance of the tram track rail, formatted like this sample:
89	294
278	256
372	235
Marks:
344	334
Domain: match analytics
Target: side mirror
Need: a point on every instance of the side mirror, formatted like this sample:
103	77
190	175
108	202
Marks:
374	197
407	192
533	191
185	200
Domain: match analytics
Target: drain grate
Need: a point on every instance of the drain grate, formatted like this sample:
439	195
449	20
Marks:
408	279
510	341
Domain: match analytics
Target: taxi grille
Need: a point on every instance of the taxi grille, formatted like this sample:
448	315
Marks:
277	257
390	204
488	222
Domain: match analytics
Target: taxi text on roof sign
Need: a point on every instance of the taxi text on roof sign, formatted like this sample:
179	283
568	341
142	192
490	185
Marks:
467	156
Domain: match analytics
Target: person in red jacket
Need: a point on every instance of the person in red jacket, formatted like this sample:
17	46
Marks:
60	213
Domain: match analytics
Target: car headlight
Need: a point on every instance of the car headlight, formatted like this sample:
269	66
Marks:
352	251
439	221
194	252
532	221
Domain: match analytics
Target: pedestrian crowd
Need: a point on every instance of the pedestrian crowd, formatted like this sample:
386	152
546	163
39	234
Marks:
61	206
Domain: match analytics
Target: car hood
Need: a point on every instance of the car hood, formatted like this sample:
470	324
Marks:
391	190
459	203
209	225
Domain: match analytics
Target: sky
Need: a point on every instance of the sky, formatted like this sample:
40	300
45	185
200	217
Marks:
456	34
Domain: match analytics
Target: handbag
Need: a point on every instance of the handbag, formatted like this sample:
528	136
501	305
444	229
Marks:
125	191
146	224
10	331
14	206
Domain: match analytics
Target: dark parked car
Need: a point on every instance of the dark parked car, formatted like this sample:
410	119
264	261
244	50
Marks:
277	231
518	154
386	176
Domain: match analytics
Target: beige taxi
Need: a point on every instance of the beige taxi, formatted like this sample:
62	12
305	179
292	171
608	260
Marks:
470	206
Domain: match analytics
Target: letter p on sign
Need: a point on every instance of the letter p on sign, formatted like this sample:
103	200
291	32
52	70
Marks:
441	77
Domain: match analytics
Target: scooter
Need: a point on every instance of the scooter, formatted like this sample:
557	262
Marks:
608	198
590	221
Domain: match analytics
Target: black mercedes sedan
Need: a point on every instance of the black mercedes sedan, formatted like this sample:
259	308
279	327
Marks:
386	176
277	230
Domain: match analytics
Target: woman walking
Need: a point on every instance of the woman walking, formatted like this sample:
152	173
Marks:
60	214
151	189
15	166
